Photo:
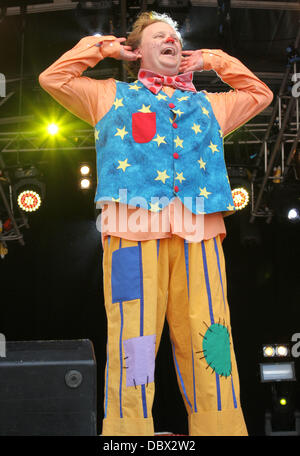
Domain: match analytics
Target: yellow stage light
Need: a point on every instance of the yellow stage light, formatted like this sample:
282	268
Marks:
84	170
282	350
85	184
52	129
283	401
269	351
240	197
29	201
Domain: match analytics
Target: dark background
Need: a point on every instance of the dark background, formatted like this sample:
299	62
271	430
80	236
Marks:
51	288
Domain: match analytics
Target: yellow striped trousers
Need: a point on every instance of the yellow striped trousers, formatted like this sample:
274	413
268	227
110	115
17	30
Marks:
144	282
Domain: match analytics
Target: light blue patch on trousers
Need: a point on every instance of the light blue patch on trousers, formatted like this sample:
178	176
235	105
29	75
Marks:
139	360
126	274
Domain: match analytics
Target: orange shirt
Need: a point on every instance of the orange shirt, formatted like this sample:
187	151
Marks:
91	99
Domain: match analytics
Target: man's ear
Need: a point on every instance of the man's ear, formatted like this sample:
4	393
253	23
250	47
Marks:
137	52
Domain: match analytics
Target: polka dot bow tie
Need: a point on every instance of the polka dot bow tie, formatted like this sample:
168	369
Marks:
154	81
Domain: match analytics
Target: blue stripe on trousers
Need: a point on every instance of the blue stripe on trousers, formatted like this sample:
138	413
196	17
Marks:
107	366
121	360
180	378
233	394
106	382
186	256
211	315
142	321
219	267
212	321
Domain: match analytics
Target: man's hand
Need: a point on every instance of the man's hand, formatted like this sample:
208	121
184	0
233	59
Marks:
192	62
116	50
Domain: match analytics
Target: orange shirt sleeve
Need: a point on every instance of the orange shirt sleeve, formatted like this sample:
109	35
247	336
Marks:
89	99
249	97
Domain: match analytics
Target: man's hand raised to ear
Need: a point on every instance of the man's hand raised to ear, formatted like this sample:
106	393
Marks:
192	62
116	50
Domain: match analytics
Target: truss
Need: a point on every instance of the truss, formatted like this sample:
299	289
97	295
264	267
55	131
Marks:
286	108
16	217
64	5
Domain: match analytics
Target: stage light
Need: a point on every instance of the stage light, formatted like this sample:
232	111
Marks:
85	184
84	170
29	201
240	197
52	129
283	401
293	214
86	176
269	351
29	193
277	372
282	350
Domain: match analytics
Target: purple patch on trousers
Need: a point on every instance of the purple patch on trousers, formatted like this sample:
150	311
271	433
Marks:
140	360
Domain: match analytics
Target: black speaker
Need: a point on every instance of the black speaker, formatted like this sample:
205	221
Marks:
48	388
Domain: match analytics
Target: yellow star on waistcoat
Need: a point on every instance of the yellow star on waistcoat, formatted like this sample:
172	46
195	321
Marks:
162	176
196	128
160	96
205	111
154	207
159	140
121	132
201	163
145	108
134	87
116	200
204	192
118	103
97	134
213	147
178	142
180	177
230	207
183	98
221	133
178	112
123	164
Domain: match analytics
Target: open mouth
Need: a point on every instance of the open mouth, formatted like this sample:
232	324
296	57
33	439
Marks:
168	51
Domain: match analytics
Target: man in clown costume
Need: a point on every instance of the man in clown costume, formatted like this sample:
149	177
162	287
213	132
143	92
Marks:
160	163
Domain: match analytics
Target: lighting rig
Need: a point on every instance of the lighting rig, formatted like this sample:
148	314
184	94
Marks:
278	159
22	192
277	370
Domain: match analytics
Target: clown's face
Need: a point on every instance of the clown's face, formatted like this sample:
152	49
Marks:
160	49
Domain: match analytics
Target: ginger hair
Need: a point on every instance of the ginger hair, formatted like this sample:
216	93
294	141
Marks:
134	37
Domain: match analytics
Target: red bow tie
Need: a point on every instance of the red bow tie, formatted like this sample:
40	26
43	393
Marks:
154	81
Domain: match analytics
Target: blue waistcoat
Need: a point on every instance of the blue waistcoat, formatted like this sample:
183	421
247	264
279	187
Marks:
152	148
